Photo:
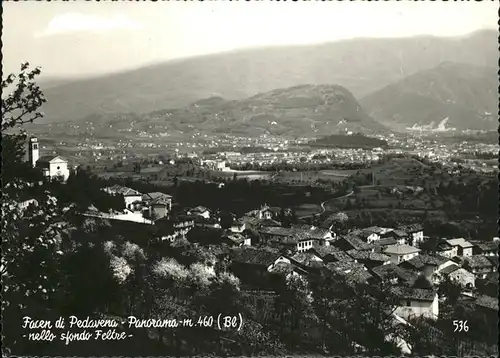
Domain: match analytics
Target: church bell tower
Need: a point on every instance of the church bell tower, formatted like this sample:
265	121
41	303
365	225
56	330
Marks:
33	151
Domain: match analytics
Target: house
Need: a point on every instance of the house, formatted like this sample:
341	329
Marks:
288	269
415	233
352	272
253	265
369	259
400	253
394	274
238	226
479	265
52	167
160	207
443	248
350	242
380	245
252	222
200	211
236	240
23	205
308	259
370	234
159	204
457	274
132	197
324	236
273	233
485	248
460	247
401	237
182	221
308	262
334	219
202	221
416	302
304	241
171	229
427	264
265	212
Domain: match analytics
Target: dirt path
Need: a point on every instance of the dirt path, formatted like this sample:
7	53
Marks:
323	209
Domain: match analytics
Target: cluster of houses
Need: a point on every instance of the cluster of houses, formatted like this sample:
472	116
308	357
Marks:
367	256
258	245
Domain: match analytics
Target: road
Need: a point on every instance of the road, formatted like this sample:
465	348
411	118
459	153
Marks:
323	209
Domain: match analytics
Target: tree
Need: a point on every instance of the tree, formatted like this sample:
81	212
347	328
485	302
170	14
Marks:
422	282
294	308
32	237
450	290
24	101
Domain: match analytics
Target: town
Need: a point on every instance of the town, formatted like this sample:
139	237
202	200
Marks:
214	179
424	272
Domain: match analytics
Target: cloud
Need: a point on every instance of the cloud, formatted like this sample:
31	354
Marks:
77	22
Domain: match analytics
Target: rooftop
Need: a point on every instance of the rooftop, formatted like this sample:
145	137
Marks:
420	261
50	158
355	242
477	261
449	269
367	255
255	256
401	249
416	294
393	271
487	302
459	242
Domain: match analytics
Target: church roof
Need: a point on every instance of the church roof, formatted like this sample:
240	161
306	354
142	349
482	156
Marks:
51	158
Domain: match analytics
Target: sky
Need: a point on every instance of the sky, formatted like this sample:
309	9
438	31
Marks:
88	38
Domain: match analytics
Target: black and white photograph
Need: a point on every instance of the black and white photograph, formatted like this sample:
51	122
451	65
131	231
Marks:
250	178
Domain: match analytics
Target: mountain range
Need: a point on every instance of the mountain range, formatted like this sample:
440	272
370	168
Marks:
300	111
315	84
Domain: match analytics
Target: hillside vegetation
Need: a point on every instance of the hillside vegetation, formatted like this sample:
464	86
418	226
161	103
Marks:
301	111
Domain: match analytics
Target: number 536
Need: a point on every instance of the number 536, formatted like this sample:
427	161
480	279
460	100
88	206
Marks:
460	326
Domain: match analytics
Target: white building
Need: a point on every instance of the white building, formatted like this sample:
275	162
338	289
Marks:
460	247
52	166
399	253
417	302
132	197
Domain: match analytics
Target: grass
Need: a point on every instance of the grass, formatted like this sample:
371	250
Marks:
307	209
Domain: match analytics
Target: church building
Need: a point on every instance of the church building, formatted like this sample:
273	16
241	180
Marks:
52	166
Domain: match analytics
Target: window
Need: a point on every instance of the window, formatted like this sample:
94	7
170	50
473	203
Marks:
408	303
35	146
58	168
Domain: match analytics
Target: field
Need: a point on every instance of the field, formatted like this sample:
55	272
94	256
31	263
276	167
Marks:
240	174
312	176
307	210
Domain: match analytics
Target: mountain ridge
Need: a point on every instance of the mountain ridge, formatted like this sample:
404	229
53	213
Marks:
299	111
361	65
451	95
